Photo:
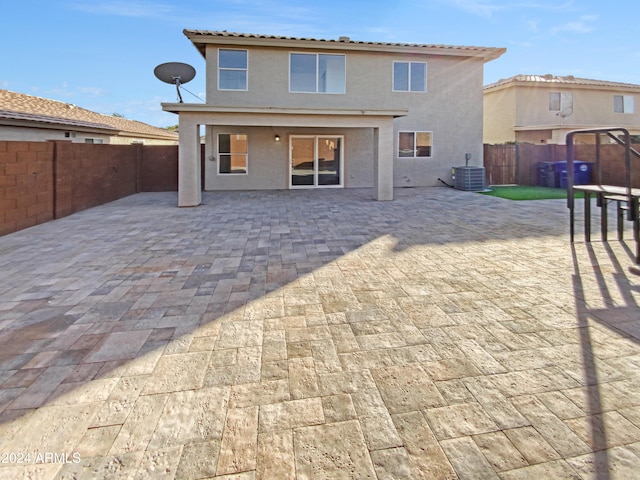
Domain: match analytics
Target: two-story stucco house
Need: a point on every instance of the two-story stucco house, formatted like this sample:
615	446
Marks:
544	108
288	113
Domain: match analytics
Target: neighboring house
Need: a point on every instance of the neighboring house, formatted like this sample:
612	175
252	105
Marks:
544	108
286	113
28	118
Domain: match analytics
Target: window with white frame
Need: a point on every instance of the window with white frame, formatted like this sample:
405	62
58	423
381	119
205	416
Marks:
233	66
623	103
415	144
560	101
317	73
233	155
409	76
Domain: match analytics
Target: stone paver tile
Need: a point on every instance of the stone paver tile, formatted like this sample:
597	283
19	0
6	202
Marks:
467	459
451	368
605	430
238	450
455	391
428	460
275	457
198	460
332	451
392	464
560	405
325	356
41	471
338	408
253	394
482	359
97	442
159	463
303	379
375	420
39	391
80	392
459	420
118	346
499	451
246	368
558	470
533	447
495	404
291	414
345	382
557	433
619	462
234	334
139	425
407	388
343	338
174	373
50	429
191	416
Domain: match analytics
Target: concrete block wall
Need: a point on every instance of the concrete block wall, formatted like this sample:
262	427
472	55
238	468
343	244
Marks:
26	185
42	181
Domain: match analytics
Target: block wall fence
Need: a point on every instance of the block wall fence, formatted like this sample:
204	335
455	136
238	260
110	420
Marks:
42	181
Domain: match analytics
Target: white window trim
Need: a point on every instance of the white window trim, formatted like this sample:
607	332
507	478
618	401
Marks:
234	70
218	172
317	55
315	156
393	77
414	157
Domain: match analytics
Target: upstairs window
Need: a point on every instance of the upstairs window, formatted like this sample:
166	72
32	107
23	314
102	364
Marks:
409	77
623	103
316	73
560	102
232	69
415	144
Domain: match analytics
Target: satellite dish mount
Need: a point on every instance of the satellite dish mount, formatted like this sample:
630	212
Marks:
175	73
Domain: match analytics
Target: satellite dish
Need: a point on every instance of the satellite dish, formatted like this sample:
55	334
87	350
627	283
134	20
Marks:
175	73
565	112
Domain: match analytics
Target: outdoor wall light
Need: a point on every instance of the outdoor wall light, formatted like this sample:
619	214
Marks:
277	138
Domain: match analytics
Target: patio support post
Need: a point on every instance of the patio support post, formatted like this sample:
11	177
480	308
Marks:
189	189
383	161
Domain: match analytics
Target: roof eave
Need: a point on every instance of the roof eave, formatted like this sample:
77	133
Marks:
201	39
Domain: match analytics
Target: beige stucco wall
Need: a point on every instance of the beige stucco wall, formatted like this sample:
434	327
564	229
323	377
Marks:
512	112
499	116
451	107
28	134
268	166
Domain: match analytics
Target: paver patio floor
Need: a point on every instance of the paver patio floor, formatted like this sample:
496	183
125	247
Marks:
318	334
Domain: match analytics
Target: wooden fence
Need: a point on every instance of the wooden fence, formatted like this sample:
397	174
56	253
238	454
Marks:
518	164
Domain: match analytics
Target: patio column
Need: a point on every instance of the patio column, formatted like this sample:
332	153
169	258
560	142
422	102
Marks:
383	161
189	190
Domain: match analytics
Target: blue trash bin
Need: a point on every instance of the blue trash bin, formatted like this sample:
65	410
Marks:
581	173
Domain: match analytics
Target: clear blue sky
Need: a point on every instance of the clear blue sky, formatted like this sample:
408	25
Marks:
100	55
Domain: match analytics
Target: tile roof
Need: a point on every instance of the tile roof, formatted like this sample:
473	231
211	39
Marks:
487	52
559	80
19	106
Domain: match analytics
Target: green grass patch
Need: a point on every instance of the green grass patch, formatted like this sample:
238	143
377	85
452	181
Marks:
518	192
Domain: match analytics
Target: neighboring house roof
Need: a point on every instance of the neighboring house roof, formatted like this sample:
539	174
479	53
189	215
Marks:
549	80
201	37
21	107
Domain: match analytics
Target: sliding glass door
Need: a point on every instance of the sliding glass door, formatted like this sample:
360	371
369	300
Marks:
316	161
